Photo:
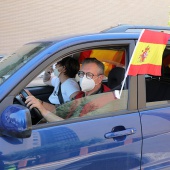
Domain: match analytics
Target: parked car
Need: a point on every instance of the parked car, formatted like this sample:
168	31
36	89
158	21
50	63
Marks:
132	132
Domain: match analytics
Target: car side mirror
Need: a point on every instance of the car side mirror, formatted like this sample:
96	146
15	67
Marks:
15	121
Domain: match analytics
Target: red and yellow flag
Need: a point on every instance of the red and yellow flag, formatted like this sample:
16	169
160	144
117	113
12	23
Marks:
110	58
147	56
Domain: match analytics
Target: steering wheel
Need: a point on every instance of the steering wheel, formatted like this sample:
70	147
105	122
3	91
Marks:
35	113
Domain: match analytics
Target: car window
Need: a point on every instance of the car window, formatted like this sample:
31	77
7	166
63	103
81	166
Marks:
111	58
158	87
102	103
38	81
10	64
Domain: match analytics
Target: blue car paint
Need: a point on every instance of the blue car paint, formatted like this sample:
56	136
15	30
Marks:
156	138
74	145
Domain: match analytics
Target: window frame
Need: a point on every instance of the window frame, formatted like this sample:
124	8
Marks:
142	103
132	83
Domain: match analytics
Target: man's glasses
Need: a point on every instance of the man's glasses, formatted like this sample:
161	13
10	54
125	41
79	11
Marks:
88	75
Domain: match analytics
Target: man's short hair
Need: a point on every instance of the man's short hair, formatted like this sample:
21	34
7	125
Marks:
71	65
97	62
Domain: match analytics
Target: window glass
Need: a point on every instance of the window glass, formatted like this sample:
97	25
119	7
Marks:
158	87
10	64
38	81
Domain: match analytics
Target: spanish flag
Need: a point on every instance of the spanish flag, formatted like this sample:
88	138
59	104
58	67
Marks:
110	58
147	56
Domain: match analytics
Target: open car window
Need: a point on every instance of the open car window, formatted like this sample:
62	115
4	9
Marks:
111	58
114	60
158	87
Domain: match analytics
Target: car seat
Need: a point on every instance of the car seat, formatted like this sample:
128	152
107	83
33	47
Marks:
115	78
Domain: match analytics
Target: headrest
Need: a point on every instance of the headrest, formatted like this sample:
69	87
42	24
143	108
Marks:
115	77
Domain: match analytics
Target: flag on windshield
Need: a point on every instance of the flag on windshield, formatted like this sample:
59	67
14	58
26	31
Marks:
147	56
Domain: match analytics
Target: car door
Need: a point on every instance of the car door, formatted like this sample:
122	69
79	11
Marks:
110	137
155	119
156	137
92	142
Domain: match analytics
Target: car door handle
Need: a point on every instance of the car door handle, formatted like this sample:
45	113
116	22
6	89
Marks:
126	132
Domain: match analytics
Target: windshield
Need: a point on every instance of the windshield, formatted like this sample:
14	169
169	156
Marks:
10	64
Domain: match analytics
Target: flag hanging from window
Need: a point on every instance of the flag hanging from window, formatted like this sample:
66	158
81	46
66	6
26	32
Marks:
147	56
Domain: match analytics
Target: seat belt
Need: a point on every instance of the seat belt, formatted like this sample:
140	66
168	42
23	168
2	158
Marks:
60	97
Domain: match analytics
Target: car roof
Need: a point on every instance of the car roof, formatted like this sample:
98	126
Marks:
91	37
135	28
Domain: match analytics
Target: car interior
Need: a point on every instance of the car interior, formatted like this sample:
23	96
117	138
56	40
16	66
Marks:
114	60
158	87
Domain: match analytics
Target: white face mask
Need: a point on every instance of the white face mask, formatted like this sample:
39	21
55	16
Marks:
86	84
56	72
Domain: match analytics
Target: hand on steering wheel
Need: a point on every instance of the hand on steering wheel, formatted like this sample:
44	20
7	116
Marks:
34	111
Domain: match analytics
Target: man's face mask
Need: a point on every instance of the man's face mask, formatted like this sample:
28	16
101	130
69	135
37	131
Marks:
86	84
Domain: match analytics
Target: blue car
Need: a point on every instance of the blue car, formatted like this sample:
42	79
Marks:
132	132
